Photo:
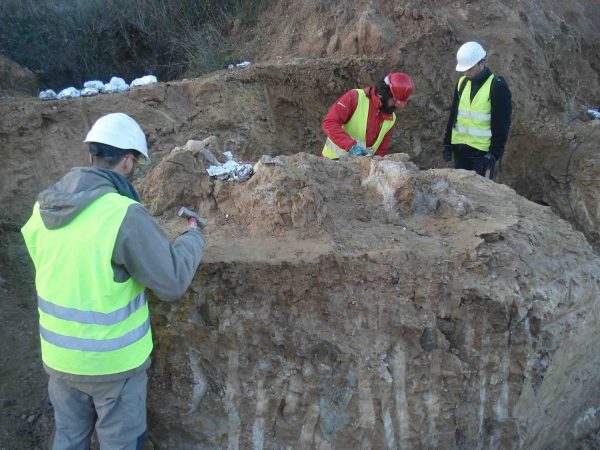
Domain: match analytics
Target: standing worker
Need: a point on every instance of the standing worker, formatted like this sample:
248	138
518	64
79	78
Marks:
360	121
95	248
480	116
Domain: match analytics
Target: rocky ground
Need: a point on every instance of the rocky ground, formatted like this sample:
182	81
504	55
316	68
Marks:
356	304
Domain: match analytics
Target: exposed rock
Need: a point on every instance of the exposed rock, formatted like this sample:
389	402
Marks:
394	183
180	179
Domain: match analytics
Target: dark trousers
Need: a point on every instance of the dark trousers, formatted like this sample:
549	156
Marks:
476	163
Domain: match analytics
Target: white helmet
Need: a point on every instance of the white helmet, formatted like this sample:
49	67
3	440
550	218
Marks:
119	130
469	54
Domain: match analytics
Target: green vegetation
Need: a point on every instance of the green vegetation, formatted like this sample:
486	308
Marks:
67	42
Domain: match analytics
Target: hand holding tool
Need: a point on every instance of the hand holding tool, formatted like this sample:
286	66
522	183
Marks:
193	219
356	150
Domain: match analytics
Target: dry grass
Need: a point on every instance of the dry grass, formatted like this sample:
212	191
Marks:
67	42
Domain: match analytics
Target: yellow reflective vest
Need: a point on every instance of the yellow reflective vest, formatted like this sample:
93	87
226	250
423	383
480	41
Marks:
357	128
473	119
89	323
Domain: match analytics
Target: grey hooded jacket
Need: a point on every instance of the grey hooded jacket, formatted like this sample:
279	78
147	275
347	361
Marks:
142	250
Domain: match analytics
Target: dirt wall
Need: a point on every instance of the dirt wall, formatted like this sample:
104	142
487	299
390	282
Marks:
406	313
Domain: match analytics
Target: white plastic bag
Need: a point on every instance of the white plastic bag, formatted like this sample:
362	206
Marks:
239	65
115	84
231	170
48	94
89	92
595	113
144	81
96	84
69	92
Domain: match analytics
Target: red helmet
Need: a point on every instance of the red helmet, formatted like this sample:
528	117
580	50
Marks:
401	85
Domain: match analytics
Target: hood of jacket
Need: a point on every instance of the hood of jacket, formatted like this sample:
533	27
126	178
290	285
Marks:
61	203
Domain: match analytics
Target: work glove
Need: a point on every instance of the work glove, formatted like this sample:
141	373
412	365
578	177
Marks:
356	150
447	153
497	153
490	164
489	159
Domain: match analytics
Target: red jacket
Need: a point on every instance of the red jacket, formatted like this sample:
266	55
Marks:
340	113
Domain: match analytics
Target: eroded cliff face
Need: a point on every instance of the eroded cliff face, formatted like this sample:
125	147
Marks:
366	304
562	170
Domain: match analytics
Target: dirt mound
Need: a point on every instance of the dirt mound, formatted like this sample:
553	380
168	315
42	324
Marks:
272	206
408	312
15	80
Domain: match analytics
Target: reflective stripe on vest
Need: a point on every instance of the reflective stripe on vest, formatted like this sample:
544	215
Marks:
89	324
95	345
97	318
473	119
356	127
332	151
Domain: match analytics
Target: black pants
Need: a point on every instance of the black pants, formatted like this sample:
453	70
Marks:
476	163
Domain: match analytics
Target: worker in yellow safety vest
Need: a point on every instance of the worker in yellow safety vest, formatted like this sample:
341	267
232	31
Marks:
360	121
480	115
95	248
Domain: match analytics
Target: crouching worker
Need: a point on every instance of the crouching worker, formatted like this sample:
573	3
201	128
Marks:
360	122
95	249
